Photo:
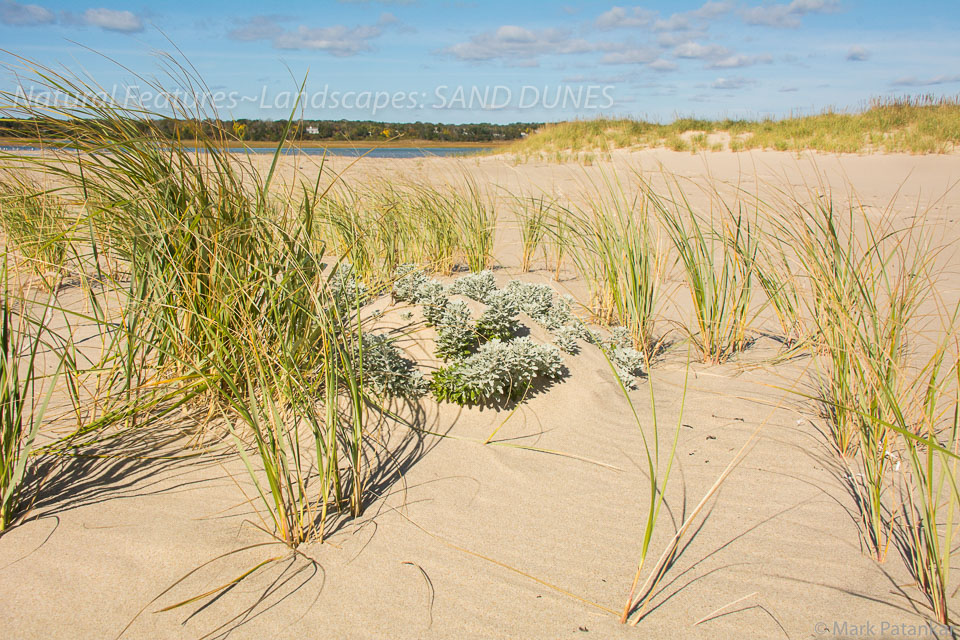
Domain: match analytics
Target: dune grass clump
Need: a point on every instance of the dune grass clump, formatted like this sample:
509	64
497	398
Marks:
475	219
436	232
718	259
777	273
230	309
379	227
926	417
533	219
34	221
616	250
837	266
863	281
24	395
894	424
365	225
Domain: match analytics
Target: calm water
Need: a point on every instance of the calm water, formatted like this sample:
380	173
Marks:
370	152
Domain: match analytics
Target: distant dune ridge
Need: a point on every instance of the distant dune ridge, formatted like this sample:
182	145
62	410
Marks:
909	125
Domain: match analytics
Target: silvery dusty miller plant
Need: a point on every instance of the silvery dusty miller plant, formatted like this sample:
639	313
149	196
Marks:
407	282
497	369
499	319
455	333
566	338
627	361
476	286
345	289
411	285
388	372
535	300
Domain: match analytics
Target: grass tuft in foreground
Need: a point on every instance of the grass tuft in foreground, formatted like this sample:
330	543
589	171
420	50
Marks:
24	394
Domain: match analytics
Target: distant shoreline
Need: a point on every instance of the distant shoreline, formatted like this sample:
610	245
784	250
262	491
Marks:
318	144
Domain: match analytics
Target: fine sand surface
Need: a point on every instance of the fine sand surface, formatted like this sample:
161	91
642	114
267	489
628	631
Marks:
503	541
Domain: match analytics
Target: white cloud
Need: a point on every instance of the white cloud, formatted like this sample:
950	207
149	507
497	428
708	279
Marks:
634	55
676	22
731	83
691	49
619	17
669	39
511	42
914	81
687	20
337	40
710	10
663	65
530	63
579	79
16	14
258	28
637	17
739	60
110	20
787	16
24	15
857	54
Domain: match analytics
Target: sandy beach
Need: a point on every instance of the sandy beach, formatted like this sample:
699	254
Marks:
537	533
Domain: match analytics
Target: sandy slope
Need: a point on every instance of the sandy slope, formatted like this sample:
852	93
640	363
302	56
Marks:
443	551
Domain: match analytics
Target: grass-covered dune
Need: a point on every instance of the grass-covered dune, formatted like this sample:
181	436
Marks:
912	125
248	395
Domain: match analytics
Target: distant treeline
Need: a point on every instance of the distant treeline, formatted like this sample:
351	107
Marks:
308	130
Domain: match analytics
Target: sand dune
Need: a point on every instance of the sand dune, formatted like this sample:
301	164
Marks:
537	534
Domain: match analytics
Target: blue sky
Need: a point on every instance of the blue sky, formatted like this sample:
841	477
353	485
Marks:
498	61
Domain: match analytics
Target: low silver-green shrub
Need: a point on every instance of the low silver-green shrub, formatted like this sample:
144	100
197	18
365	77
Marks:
411	285
456	335
433	296
560	314
499	319
346	290
567	338
540	303
627	361
497	370
476	286
388	372
407	281
535	300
